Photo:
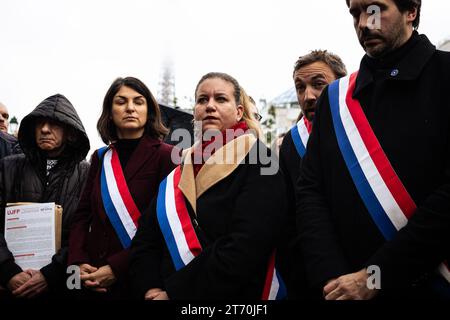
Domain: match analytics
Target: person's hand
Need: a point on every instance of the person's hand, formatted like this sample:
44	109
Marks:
156	294
162	296
328	285
35	286
349	287
18	280
86	268
99	280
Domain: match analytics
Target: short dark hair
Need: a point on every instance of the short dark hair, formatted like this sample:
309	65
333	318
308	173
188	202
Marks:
333	61
226	77
406	5
154	126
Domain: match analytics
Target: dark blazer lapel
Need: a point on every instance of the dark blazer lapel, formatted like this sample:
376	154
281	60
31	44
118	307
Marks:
143	153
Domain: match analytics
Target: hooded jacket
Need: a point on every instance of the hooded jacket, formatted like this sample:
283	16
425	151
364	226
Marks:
23	178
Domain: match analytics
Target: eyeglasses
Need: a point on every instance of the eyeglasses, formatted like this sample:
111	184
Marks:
257	116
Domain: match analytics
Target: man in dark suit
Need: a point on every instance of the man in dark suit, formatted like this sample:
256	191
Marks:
347	223
312	72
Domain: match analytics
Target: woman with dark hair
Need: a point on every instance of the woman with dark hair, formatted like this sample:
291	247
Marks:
123	178
212	231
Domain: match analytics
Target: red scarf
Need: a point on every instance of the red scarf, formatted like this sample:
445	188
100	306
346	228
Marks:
225	139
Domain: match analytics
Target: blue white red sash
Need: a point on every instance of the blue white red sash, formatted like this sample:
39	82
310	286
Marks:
381	190
180	236
274	288
117	200
300	136
175	222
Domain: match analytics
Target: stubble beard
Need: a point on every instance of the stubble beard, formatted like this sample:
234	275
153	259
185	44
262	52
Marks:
390	41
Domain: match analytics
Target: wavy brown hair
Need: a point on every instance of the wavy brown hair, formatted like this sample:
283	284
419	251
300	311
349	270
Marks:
330	59
154	126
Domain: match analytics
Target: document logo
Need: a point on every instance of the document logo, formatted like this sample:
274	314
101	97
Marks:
73	281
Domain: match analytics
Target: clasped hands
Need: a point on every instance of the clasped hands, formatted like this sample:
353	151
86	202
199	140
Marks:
28	284
97	279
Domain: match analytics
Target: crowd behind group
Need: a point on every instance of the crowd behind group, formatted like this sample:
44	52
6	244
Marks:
359	208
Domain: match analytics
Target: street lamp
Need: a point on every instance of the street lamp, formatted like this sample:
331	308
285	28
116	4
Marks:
13	125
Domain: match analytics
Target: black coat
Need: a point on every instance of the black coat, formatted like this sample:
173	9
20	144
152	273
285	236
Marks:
240	214
409	111
23	179
8	145
292	266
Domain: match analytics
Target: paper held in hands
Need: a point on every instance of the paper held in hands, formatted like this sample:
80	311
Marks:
33	233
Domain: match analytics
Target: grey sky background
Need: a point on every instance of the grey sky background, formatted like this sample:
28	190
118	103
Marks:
78	47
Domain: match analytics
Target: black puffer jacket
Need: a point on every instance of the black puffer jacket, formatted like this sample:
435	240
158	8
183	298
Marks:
23	178
8	145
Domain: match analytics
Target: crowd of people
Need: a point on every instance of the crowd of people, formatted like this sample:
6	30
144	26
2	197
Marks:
353	212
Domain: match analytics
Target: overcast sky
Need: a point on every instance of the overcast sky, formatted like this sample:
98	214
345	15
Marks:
78	47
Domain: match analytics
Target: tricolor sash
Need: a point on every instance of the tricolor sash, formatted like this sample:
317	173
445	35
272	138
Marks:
175	222
117	200
378	185
274	288
181	238
300	135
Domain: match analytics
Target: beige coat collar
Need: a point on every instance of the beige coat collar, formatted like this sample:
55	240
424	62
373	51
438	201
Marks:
219	166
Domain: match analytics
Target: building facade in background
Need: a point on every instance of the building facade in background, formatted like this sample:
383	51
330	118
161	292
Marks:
281	113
